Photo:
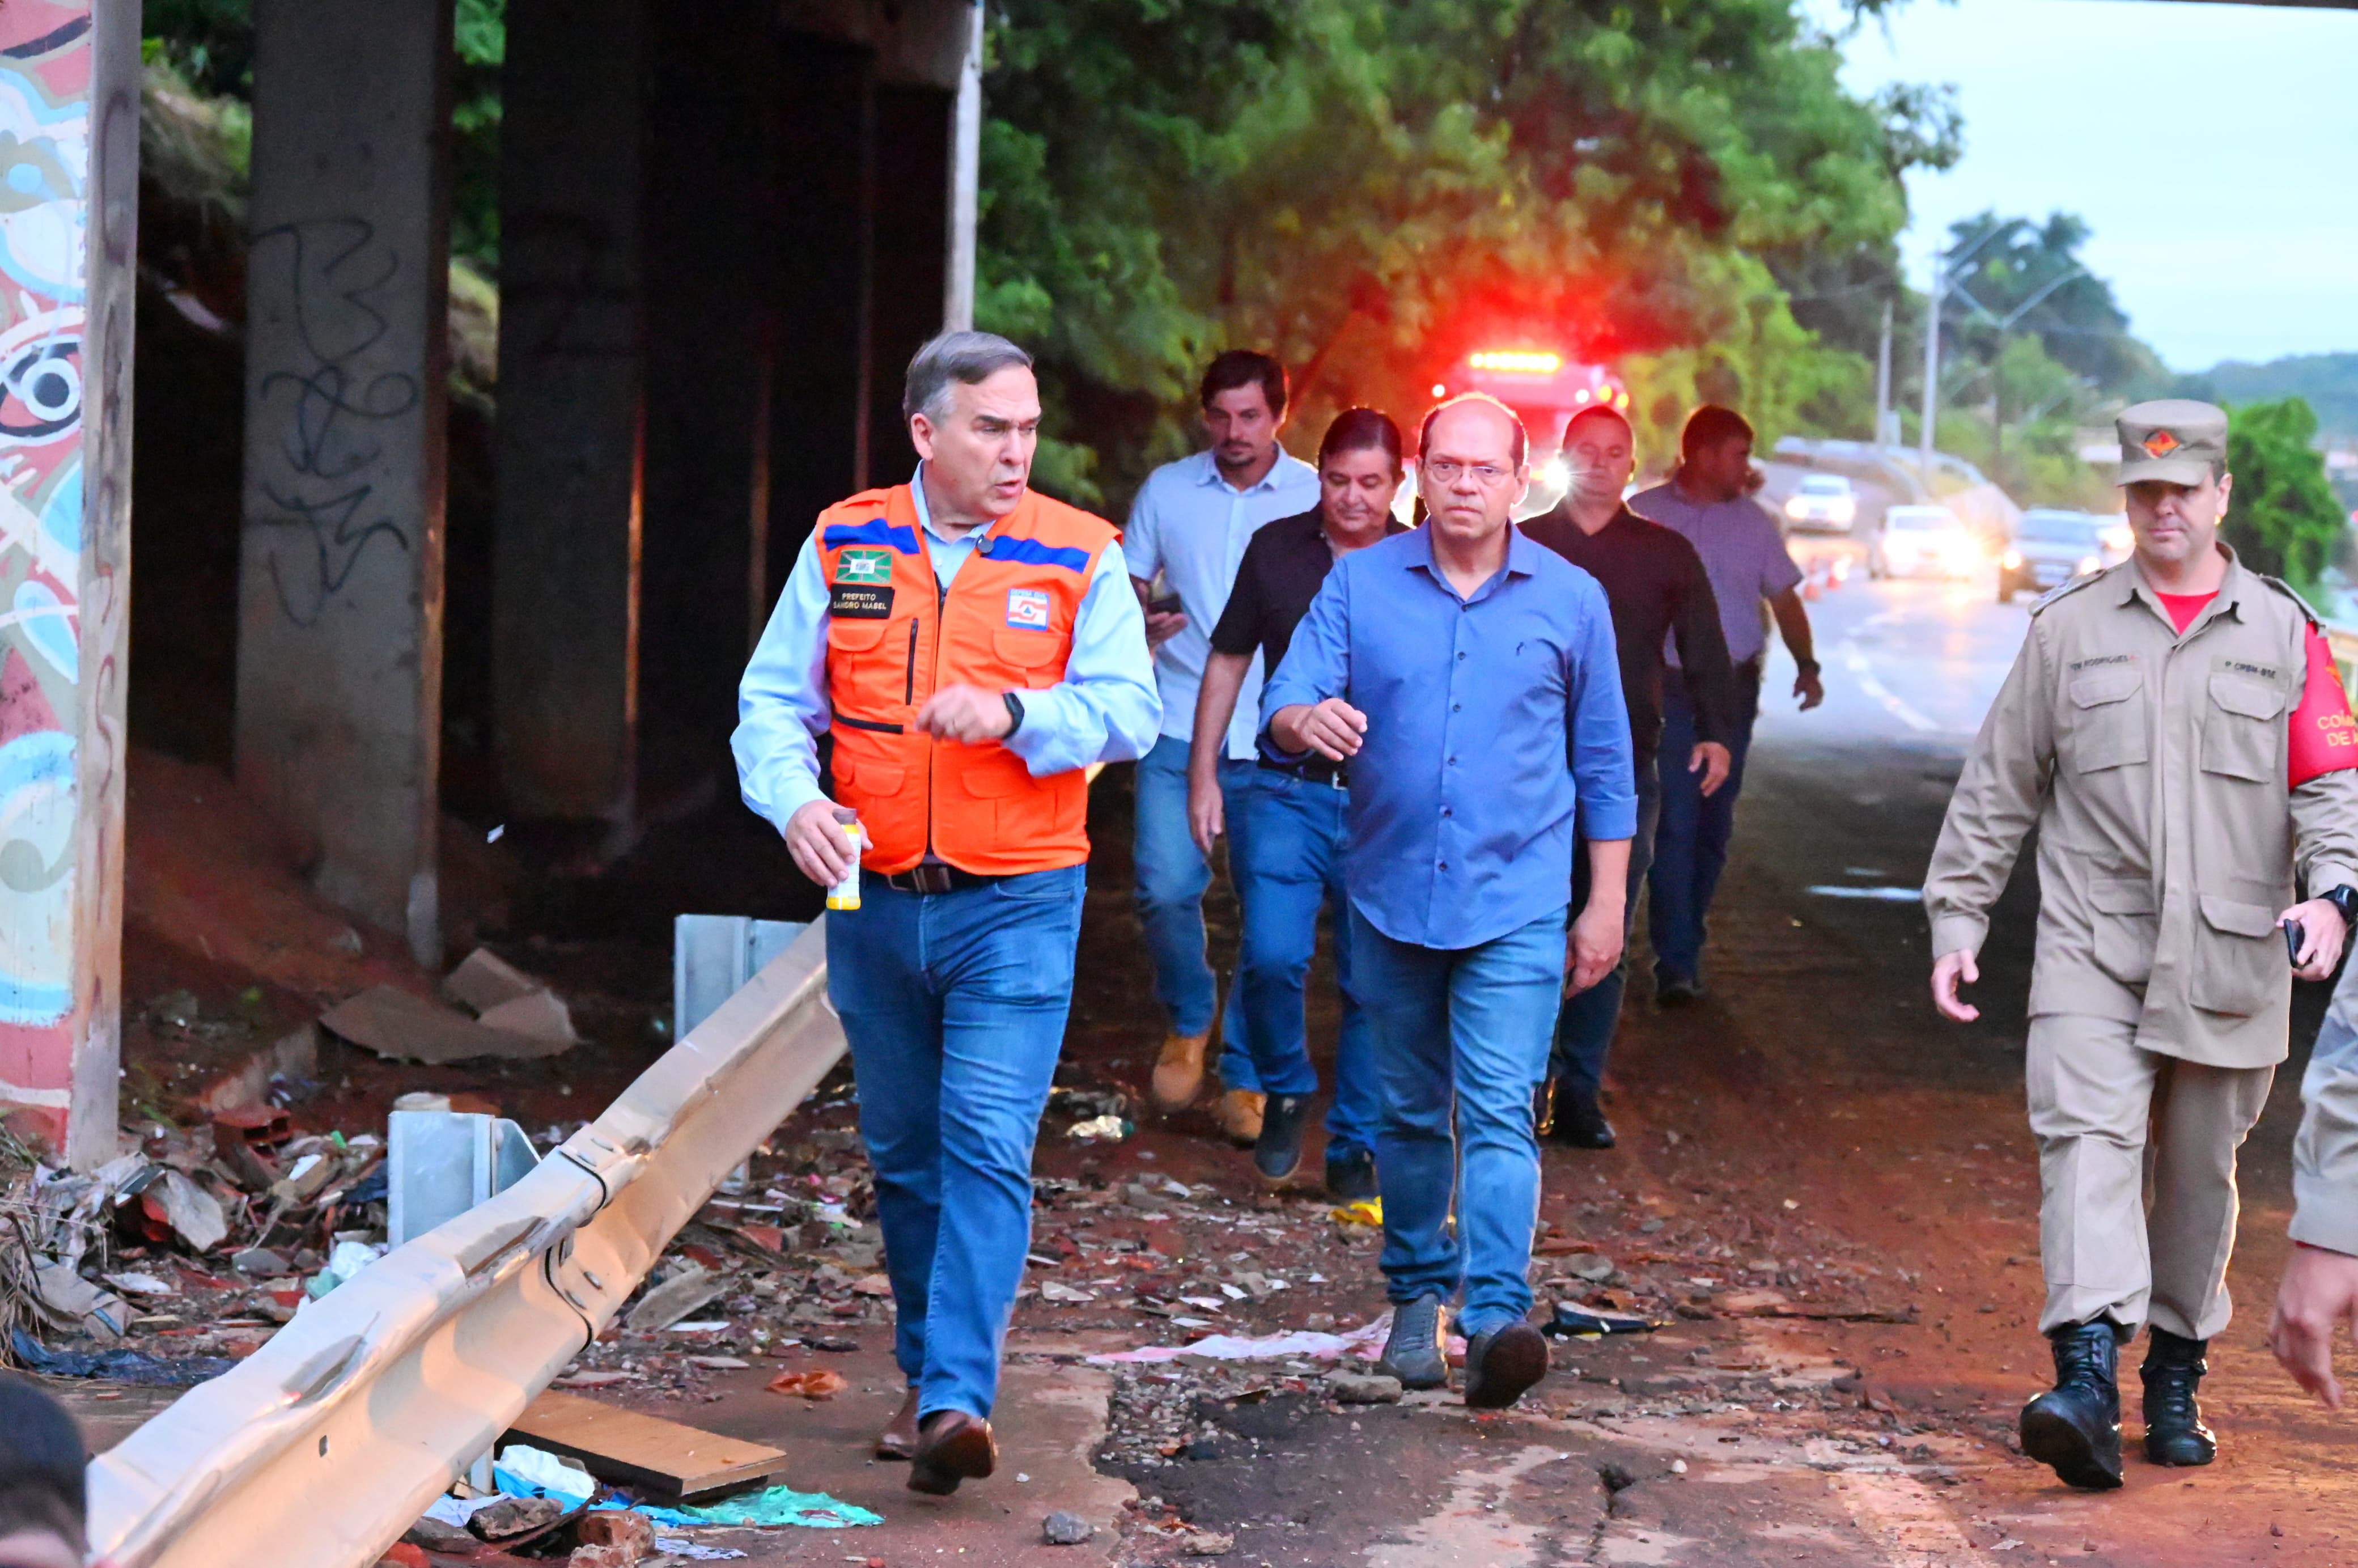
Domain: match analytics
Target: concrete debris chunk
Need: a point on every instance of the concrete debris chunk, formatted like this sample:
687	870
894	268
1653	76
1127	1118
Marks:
194	1214
1364	1389
618	1537
1064	1528
1206	1543
690	1287
437	1535
504	997
402	1027
1593	1267
512	1517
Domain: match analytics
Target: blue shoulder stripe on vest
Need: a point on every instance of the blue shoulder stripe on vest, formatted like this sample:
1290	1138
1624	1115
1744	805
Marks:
1032	553
875	531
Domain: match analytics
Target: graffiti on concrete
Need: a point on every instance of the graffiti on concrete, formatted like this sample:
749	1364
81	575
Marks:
45	179
320	477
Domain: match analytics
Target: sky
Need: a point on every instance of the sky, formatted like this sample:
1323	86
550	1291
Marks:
2212	148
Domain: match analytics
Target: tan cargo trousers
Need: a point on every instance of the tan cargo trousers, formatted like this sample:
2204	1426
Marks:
2136	1172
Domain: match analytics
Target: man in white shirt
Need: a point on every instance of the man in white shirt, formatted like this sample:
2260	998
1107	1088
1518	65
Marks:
1187	533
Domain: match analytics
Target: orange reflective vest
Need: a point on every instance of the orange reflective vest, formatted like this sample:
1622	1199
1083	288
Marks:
893	637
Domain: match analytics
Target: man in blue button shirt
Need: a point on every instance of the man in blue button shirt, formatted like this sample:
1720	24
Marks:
1470	676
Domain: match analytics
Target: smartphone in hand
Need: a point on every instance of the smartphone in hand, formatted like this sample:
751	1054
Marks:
2293	935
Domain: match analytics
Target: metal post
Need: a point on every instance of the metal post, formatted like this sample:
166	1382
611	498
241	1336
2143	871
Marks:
1931	372
966	184
1883	378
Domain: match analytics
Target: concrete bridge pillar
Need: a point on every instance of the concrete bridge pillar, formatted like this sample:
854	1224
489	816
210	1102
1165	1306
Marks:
340	632
69	158
565	571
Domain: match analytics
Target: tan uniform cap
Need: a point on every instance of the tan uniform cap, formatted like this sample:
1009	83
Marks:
2174	439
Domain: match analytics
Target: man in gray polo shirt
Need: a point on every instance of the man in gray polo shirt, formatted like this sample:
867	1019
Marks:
1709	501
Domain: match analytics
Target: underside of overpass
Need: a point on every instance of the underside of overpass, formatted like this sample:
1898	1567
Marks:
725	228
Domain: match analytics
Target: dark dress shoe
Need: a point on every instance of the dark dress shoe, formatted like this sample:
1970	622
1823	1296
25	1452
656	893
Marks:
1277	1152
2174	1432
2074	1428
952	1446
1502	1365
1351	1175
1676	991
1543	1108
899	1438
1579	1124
1413	1353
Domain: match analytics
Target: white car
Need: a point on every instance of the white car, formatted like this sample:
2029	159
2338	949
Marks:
1912	541
1824	503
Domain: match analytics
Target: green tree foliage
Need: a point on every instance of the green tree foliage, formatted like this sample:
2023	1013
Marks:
1371	188
209	45
2282	518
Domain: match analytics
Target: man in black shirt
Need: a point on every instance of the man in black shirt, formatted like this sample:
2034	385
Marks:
1285	846
1654	583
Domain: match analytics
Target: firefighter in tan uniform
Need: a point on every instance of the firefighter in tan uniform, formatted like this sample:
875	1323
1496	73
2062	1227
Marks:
2143	730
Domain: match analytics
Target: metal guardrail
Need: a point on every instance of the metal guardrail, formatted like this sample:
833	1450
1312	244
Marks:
322	1447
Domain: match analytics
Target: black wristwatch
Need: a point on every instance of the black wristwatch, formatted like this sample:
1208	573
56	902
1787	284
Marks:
1805	666
2344	899
1014	712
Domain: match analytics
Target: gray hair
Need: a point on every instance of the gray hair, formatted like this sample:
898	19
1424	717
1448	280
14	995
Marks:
967	357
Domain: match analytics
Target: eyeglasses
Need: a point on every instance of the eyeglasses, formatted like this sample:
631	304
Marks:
1490	475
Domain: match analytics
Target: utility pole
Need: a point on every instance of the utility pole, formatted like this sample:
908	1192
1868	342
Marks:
1931	370
1883	380
966	184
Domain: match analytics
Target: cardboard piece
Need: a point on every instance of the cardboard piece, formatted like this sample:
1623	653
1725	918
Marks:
625	1447
394	1023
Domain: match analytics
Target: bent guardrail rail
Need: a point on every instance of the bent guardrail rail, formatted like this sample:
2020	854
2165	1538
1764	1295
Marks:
319	1449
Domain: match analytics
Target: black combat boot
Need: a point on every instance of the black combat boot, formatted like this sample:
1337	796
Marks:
2075	1427
2174	1432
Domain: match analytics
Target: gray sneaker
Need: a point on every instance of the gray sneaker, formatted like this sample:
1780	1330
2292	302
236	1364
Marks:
1412	1354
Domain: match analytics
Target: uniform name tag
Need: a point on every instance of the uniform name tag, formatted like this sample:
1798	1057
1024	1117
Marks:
1027	608
857	601
2265	672
2079	665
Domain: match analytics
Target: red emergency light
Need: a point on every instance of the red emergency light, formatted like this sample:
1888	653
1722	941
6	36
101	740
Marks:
1543	385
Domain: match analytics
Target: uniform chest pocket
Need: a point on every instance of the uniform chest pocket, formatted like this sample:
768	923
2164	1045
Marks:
2241	737
2106	720
854	636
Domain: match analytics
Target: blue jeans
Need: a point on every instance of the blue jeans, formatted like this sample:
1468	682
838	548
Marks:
1286	856
1690	845
1463	1030
1172	875
953	1004
1584	1031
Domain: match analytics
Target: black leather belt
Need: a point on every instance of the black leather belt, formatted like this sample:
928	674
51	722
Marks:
1317	771
936	877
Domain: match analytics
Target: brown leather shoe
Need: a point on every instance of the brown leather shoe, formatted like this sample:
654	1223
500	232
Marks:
1240	1114
1179	1071
952	1446
899	1438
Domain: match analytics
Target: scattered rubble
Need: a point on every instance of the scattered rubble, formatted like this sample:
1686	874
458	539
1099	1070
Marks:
1063	1528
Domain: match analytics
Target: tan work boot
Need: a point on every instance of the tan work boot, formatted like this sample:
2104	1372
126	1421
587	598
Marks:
1179	1071
1240	1114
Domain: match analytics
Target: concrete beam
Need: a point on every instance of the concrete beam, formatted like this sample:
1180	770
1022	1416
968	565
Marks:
340	635
566	574
69	246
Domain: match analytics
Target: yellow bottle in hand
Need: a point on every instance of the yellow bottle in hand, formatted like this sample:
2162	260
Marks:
845	894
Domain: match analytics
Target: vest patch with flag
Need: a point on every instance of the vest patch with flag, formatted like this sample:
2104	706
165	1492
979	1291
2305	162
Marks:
864	565
1027	608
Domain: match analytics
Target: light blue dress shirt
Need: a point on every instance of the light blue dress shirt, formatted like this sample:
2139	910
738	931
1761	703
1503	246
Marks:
1490	718
1103	711
1192	526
